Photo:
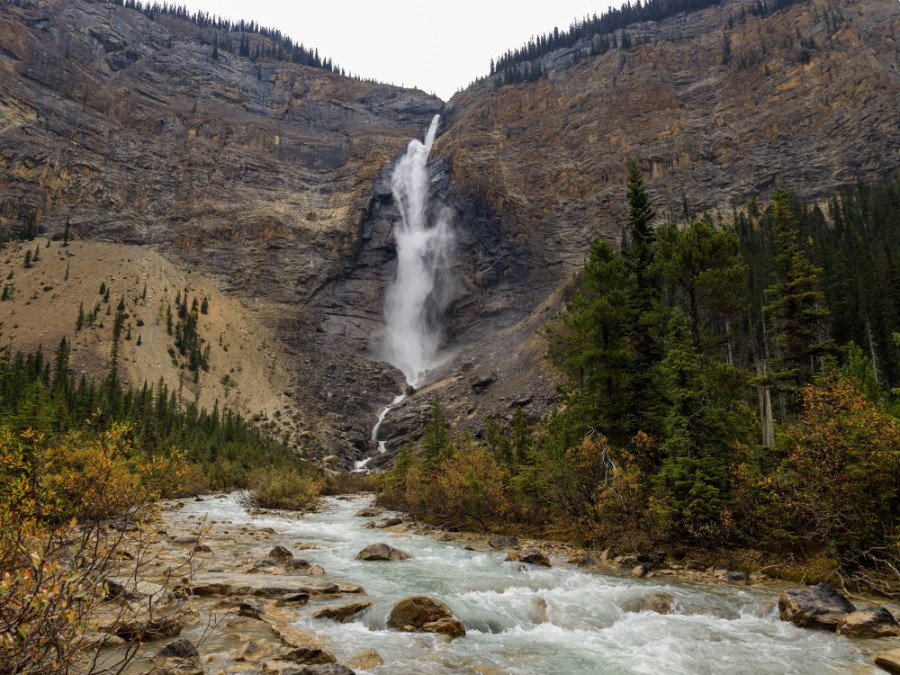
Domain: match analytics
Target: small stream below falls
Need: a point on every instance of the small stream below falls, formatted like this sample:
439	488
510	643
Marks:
523	619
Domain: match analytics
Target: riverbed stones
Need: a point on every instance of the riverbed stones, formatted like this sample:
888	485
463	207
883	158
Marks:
266	566
503	542
661	603
181	648
284	667
869	623
236	583
155	628
280	553
389	522
419	613
380	551
583	560
309	655
294	599
252	609
366	660
342	613
889	660
732	577
821	606
530	556
641	570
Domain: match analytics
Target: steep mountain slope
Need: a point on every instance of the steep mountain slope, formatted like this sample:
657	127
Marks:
716	106
270	182
256	176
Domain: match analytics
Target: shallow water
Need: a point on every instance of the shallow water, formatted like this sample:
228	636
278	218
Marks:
522	619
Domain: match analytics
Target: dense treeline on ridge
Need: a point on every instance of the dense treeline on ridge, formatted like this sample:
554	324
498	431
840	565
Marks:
523	64
277	46
726	387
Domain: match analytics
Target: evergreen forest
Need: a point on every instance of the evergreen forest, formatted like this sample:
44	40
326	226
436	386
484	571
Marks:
726	387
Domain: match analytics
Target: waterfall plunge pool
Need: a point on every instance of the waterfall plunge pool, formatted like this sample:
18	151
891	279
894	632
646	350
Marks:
528	620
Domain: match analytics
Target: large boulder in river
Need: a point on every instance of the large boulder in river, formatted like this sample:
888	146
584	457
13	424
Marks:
419	613
869	623
820	606
382	552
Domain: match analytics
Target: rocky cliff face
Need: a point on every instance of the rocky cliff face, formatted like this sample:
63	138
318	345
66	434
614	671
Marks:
273	180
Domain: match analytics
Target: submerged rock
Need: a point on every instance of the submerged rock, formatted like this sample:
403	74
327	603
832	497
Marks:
381	551
661	603
419	613
366	660
820	606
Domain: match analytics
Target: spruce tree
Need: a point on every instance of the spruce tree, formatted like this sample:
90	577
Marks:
796	310
596	352
647	315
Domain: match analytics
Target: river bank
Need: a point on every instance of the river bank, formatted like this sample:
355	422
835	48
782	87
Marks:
236	569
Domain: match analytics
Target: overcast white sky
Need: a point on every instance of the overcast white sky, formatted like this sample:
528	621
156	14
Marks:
438	46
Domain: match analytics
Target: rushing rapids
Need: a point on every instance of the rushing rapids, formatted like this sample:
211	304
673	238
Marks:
524	619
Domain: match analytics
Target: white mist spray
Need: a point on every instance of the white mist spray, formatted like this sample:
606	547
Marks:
415	303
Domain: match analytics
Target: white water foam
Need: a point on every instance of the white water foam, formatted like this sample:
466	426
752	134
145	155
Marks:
522	619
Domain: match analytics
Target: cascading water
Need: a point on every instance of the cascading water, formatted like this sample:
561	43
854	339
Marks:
417	300
382	446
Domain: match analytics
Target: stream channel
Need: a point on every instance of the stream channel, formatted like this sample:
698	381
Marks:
525	619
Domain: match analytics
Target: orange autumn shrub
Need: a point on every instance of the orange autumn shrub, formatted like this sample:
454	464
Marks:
56	548
839	485
472	486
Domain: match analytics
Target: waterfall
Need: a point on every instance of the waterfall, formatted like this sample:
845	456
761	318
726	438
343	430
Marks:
421	292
